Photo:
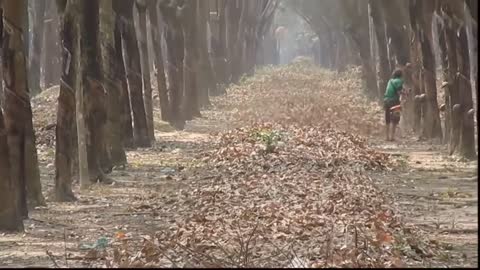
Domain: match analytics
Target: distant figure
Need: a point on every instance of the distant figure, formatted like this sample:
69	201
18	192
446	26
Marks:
281	35
391	103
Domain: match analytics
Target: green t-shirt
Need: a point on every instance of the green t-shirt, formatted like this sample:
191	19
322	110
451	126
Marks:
393	90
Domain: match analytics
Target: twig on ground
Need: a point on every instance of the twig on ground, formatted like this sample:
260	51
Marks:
245	257
212	260
227	254
132	214
295	256
52	258
65	245
164	254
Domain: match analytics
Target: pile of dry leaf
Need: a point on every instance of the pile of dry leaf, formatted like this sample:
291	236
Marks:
44	110
303	94
288	188
289	197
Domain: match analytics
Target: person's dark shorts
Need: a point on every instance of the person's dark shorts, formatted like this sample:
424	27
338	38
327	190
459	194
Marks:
389	116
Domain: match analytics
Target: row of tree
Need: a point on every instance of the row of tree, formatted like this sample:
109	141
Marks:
406	33
105	103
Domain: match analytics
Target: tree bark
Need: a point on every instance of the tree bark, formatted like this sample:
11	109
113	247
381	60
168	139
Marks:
379	25
10	216
223	69
207	77
157	34
423	18
467	138
38	33
65	129
396	15
93	92
120	76
17	103
175	46
357	28
442	42
114	140
233	15
190	106
147	86
134	74
52	64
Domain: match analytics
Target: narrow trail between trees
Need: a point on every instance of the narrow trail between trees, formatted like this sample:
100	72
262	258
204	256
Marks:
439	194
208	197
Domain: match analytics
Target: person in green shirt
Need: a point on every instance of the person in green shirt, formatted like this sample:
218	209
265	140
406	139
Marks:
392	99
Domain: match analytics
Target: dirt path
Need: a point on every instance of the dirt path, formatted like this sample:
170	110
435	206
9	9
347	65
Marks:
438	194
136	203
432	191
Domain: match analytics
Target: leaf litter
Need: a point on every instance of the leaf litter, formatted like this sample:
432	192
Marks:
284	183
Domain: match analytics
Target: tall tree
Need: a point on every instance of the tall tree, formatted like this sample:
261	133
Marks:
356	26
113	85
17	106
91	84
421	15
157	34
379	26
120	75
10	216
124	10
52	62
233	12
39	8
65	135
141	6
171	12
207	81
10	188
190	106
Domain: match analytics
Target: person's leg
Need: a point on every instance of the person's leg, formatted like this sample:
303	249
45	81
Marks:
395	120
392	136
387	121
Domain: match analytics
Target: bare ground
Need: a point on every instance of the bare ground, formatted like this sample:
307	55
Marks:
433	191
438	193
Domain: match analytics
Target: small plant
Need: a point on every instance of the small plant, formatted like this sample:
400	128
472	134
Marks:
269	138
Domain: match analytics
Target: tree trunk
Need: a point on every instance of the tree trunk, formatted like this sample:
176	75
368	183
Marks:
223	69
157	34
93	92
233	14
383	68
415	75
207	77
358	32
472	34
340	59
17	103
467	138
134	74
2	94
396	16
175	47
442	42
65	129
38	33
120	76
52	64
190	108
113	84
147	86
431	127
10	216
